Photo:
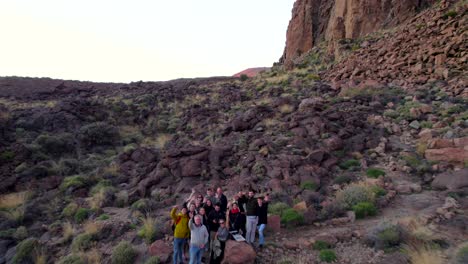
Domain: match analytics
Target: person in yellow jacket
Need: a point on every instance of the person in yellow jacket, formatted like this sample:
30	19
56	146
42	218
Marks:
181	232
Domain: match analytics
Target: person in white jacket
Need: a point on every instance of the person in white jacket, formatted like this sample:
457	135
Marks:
198	239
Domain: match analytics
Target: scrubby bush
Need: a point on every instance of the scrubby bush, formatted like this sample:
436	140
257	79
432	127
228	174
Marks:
327	255
451	13
82	242
378	191
7	156
309	185
25	251
153	260
81	215
346	165
70	210
386	236
68	167
375	173
244	77
343	179
149	230
277	208
462	254
56	144
21	233
319	245
354	194
331	210
103	217
98	134
76	181
291	217
103	184
72	259
123	253
364	209
141	205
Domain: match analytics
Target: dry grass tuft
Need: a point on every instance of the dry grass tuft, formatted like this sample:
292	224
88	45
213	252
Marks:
93	256
68	231
91	228
424	254
286	109
40	256
13	200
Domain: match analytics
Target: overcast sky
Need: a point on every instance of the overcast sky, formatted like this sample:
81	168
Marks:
149	40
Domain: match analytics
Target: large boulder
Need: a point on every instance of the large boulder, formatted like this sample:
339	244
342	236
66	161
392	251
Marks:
451	180
238	253
161	250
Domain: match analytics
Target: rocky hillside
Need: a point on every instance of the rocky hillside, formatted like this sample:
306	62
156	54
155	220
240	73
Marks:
359	164
315	21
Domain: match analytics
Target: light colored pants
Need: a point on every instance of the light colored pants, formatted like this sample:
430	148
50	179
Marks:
251	227
261	237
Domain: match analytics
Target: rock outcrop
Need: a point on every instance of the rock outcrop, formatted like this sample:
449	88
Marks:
331	20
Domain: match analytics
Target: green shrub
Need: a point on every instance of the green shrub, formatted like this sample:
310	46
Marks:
364	209
386	236
320	245
343	179
21	233
25	251
68	167
327	255
354	194
244	77
313	77
149	230
98	134
291	217
7	156
82	242
56	144
153	260
76	181
72	259
277	208
9	233
123	253
103	217
70	210
374	173
141	205
378	191
451	13
103	184
349	164
81	215
309	185
462	255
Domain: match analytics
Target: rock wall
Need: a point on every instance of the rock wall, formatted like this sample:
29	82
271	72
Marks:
317	20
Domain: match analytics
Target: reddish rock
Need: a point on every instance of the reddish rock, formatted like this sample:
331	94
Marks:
161	250
274	223
456	155
251	72
238	253
333	143
439	143
451	180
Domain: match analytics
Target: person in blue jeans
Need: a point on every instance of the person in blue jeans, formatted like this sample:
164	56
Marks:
262	218
198	239
181	232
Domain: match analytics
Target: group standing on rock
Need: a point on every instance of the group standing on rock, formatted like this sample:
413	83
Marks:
205	223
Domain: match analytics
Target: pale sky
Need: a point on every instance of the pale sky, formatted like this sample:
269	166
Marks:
149	40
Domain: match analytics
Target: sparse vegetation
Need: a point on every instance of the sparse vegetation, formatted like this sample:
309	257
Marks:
81	215
123	253
278	208
149	230
386	236
462	254
25	251
82	242
72	259
153	260
424	254
364	209
309	185
374	173
327	255
350	164
291	217
353	195
320	245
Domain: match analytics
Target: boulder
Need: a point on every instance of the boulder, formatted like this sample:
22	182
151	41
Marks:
238	253
455	155
451	180
274	223
161	250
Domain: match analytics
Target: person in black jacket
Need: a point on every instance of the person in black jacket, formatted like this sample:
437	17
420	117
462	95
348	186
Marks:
214	217
252	215
262	218
221	199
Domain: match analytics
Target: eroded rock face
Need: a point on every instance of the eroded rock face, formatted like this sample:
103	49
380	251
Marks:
316	20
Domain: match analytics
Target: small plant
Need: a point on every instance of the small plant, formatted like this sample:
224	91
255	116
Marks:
91	228
153	260
244	77
386	236
123	253
148	231
354	194
349	164
462	254
327	255
374	173
21	233
291	217
277	208
7	156
103	217
286	109
309	185
76	181
25	251
424	254
378	191
451	13
72	259
364	209
343	179
68	231
70	210
81	215
82	242
320	245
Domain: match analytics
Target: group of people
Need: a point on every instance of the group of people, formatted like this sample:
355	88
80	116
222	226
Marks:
205	223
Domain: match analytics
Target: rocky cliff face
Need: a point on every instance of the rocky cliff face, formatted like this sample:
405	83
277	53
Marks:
330	20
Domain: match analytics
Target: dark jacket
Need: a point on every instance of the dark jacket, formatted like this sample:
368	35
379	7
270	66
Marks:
223	201
263	213
235	220
215	216
251	204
